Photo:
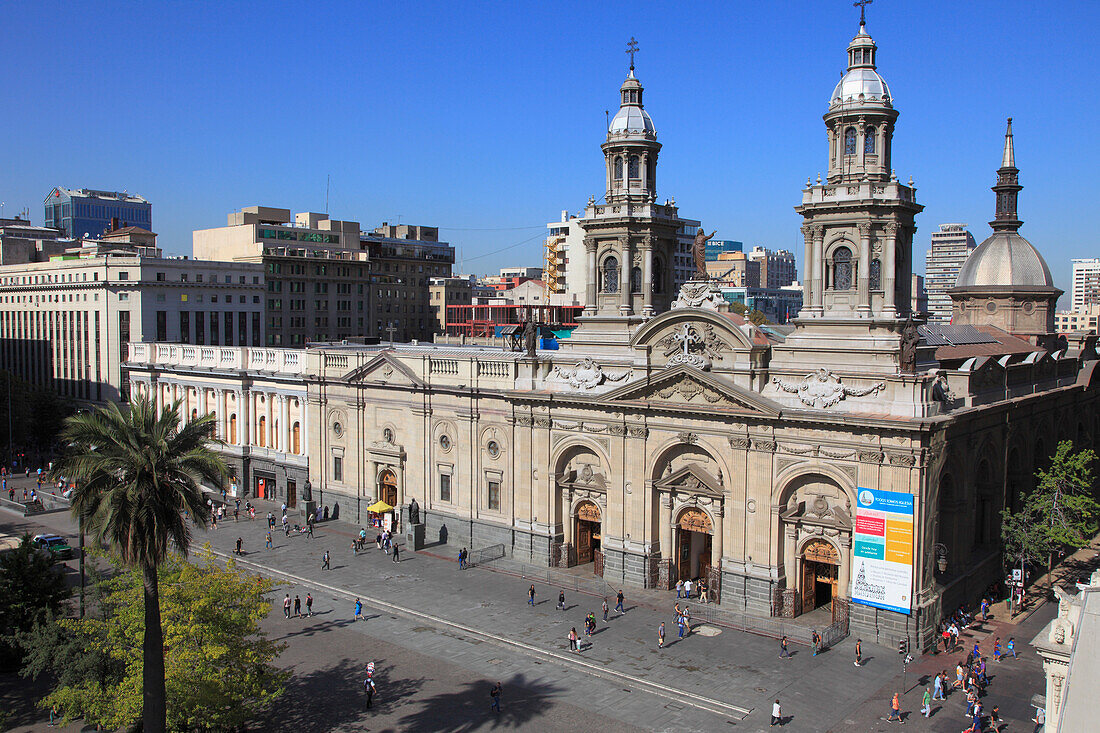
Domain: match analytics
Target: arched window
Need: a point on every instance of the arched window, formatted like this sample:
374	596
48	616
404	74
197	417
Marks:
233	429
636	280
842	269
610	275
869	140
263	432
658	276
296	438
618	169
634	166
876	274
850	141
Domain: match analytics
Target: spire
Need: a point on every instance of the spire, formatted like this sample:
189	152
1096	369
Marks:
862	5
1008	160
632	48
1007	189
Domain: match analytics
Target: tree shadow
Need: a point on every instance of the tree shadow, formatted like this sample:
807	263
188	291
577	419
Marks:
333	699
468	708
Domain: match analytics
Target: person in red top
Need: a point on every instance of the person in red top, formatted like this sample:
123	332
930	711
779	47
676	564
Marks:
895	709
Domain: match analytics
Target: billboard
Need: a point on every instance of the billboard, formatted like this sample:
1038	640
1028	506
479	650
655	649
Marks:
883	550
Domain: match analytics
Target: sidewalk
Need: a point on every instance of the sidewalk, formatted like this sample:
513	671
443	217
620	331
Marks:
1064	575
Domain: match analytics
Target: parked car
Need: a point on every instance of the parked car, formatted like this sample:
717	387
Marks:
55	545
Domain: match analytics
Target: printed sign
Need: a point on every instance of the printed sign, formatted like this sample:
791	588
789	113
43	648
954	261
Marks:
883	550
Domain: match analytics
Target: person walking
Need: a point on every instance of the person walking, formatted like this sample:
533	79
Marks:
269	544
286	606
859	653
937	686
309	604
531	595
358	610
619	603
237	512
687	588
777	713
395	549
895	709
815	641
679	589
368	686
495	694
1010	649
687	618
309	525
573	640
605	608
784	653
680	625
297	606
561	600
1040	719
661	635
240	542
462	559
926	703
997	649
325	565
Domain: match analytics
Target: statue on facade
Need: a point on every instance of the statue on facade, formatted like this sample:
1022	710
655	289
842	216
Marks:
699	250
530	335
414	512
910	337
307	491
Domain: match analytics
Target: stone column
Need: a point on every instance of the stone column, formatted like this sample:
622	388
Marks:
844	572
889	272
818	265
861	132
590	277
285	420
303	419
223	414
566	519
625	308
244	420
647	276
665	521
864	280
717	543
807	281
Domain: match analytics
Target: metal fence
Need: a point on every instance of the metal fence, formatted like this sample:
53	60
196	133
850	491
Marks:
485	554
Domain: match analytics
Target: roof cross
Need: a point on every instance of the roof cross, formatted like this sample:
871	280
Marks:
862	5
632	48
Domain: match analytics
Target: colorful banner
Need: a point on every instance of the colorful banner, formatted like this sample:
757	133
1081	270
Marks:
883	549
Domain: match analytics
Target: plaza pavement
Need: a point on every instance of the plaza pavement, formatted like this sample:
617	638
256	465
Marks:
479	624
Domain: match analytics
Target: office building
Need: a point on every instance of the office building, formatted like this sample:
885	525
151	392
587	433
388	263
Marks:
951	245
21	241
1086	283
716	247
521	273
1084	319
736	269
403	258
84	212
446	291
777	269
920	297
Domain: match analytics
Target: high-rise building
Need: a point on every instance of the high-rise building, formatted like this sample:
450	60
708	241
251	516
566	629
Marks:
445	291
83	212
951	245
716	247
1086	283
403	259
777	268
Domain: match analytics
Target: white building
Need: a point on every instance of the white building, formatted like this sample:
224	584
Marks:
1086	283
777	268
1084	319
522	273
951	245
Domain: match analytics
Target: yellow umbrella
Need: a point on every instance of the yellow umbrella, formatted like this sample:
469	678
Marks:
379	507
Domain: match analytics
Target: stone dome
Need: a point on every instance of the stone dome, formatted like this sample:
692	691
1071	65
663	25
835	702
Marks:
1005	259
631	119
861	81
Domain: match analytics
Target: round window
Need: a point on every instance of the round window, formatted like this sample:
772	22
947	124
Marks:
445	442
991	307
387	435
338	428
493	448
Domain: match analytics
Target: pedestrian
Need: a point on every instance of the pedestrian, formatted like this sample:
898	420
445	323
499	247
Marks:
237	512
325	562
687	588
815	641
363	538
704	591
55	715
619	603
661	635
561	600
605	610
926	703
777	713
269	544
286	526
309	604
859	653
895	709
354	548
1011	648
531	595
573	646
784	653
976	722
1040	719
395	547
297	606
240	541
213	520
368	685
985	608
495	694
679	589
680	625
997	649
309	525
995	719
286	606
461	559
358	610
937	686
687	618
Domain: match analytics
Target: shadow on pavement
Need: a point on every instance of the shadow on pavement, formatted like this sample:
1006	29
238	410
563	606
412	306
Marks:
467	709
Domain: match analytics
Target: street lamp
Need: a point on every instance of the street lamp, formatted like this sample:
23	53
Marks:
940	551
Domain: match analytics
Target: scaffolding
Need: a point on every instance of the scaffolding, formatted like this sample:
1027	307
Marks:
485	320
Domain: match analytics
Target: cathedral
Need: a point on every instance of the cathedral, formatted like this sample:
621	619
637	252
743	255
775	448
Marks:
859	462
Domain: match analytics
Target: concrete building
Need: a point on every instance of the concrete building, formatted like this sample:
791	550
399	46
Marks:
521	273
951	245
1085	290
777	268
716	247
529	292
403	258
21	241
780	305
84	212
445	291
1084	320
1071	660
66	318
736	269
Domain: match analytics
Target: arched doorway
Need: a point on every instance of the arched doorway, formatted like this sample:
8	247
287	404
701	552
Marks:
587	530
694	532
820	574
387	483
296	439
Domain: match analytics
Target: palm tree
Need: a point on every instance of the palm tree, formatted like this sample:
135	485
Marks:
137	474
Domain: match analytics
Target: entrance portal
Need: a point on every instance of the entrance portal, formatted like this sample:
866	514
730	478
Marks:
820	571
693	542
587	531
291	494
388	487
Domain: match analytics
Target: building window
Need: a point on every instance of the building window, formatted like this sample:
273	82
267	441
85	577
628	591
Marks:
337	468
634	166
869	140
876	275
850	141
635	280
610	275
162	325
658	276
445	487
618	169
494	495
842	269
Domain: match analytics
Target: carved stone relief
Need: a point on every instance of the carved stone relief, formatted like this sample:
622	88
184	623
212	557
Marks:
823	389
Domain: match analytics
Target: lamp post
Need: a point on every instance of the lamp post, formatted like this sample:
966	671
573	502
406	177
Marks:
940	551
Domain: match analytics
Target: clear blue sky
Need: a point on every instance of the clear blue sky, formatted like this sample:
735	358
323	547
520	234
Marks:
485	119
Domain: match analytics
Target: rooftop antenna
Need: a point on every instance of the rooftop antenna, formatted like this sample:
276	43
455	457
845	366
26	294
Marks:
328	179
862	5
607	119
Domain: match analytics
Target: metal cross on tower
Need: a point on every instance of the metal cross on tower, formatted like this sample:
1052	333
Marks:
390	329
862	5
632	48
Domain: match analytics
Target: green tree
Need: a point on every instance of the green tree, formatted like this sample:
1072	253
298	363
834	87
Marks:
739	308
137	474
31	586
758	318
218	662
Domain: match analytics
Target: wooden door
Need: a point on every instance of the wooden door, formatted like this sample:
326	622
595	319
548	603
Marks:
291	494
584	541
809	587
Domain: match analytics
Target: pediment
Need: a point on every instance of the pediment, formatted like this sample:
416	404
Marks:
384	369
692	478
687	385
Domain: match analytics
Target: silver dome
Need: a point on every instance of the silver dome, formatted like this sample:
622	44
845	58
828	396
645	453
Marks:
631	119
859	81
1005	259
